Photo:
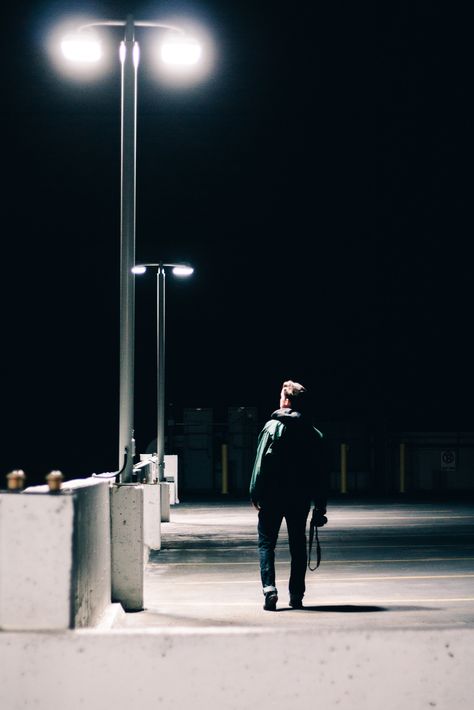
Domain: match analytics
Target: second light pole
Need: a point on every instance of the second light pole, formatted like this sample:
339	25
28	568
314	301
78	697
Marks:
178	270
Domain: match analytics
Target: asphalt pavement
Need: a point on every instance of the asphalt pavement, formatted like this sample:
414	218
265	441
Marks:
387	564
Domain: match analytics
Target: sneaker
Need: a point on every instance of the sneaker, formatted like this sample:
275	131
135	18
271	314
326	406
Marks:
296	602
271	599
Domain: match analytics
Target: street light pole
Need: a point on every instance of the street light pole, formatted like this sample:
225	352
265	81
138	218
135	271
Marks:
160	329
129	59
178	270
181	51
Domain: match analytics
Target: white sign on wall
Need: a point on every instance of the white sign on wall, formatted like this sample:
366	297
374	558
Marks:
448	460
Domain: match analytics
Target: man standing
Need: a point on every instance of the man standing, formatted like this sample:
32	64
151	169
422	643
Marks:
290	473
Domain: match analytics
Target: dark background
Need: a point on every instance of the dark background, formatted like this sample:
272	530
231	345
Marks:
319	180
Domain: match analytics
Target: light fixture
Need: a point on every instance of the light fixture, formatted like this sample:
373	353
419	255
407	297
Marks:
180	51
81	47
183	270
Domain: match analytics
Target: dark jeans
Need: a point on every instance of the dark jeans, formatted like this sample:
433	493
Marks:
270	518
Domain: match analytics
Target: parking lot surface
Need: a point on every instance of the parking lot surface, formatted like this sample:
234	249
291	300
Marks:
385	564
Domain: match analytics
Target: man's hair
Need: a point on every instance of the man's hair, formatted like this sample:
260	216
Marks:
295	392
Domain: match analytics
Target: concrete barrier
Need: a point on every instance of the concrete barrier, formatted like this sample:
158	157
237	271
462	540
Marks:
152	517
55	569
65	556
171	476
165	501
128	544
238	668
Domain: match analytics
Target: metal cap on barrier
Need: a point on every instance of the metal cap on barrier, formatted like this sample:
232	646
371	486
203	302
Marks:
54	480
16	480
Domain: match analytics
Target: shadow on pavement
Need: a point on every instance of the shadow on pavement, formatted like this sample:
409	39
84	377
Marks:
340	608
357	608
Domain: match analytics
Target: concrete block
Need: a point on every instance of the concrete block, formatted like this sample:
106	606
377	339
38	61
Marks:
152	516
55	556
171	476
165	501
36	561
127	528
91	550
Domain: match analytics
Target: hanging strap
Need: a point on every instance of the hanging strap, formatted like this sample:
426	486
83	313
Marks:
313	533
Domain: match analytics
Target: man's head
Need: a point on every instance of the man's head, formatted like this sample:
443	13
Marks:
293	395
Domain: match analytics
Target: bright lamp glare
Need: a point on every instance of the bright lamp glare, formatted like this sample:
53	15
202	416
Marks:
81	48
138	269
183	270
182	51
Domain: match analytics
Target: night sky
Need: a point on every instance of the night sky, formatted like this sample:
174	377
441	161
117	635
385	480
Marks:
319	181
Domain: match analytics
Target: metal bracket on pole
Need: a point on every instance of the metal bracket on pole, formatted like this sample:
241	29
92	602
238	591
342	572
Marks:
114	474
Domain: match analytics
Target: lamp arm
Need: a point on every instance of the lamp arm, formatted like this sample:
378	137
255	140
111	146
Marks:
137	23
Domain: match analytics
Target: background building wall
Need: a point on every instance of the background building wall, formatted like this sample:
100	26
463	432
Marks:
433	461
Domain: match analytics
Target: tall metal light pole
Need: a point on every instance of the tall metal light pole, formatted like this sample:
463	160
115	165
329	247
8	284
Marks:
129	56
178	270
85	48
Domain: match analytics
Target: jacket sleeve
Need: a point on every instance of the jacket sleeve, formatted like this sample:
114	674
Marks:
256	482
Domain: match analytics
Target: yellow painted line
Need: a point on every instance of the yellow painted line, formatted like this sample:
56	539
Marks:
320	602
414	516
252	547
408	559
333	580
164	564
333	517
407	601
419	547
387	577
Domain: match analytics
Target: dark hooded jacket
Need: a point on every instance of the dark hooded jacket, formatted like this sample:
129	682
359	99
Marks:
291	462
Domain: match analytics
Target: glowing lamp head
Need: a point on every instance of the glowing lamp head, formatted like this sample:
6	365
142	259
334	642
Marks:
81	47
138	269
183	270
180	51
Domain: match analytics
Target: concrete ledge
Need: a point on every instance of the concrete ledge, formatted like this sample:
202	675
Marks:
238	668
